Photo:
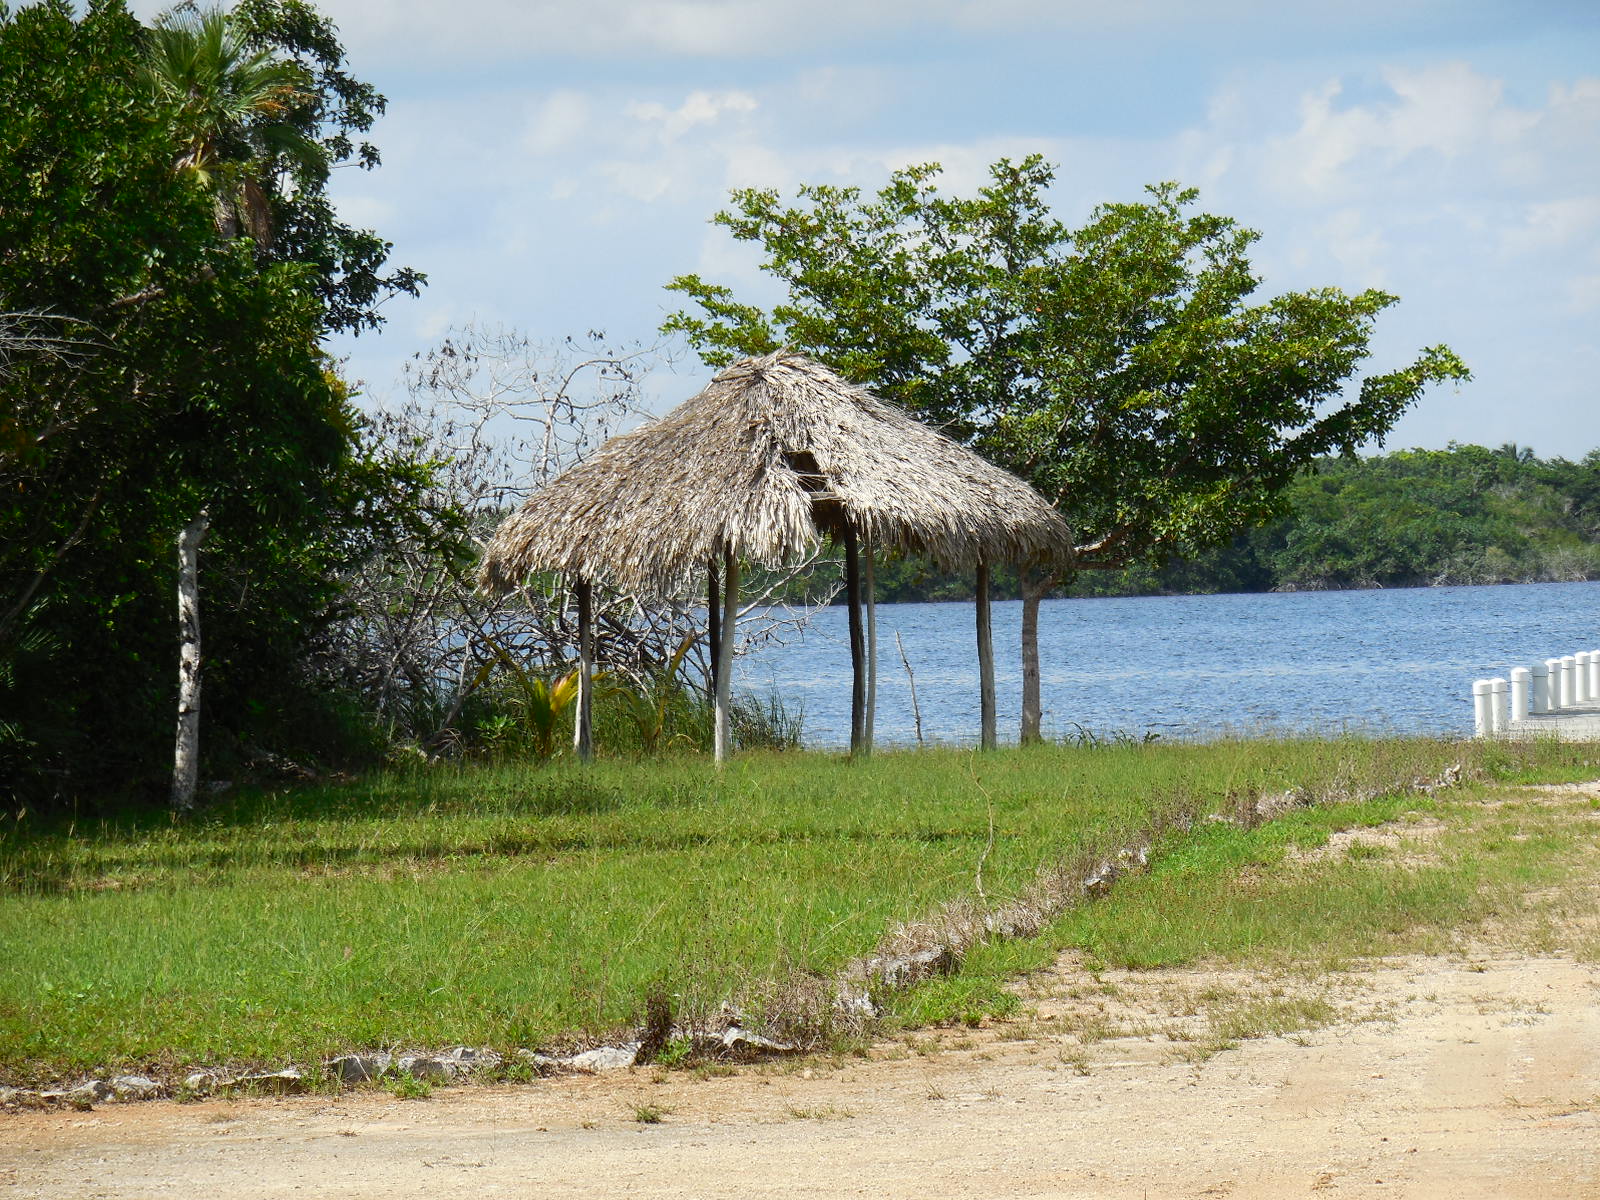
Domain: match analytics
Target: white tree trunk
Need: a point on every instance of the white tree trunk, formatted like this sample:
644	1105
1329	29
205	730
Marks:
583	723
1034	587
186	757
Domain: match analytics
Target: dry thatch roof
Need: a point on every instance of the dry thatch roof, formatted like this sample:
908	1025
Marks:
777	453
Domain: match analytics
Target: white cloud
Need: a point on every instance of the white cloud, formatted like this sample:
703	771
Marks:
419	33
698	108
1554	224
1363	253
557	122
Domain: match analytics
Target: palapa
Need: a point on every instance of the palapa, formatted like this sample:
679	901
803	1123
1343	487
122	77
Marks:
777	454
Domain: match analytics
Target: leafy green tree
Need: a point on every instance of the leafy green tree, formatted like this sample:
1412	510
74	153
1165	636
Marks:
194	380
1124	367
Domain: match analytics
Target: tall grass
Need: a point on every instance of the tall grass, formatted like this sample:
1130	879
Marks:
506	906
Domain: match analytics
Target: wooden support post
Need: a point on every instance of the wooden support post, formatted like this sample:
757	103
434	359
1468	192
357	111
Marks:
872	644
713	627
583	725
730	616
858	646
986	737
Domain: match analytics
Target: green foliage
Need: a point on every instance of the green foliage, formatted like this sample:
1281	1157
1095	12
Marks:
538	704
766	723
181	370
1459	516
649	707
407	1086
1464	515
1120	367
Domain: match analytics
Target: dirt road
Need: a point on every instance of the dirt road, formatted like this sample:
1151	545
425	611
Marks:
1469	1077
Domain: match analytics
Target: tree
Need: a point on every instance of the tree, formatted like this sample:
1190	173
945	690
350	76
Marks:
196	382
230	108
1123	368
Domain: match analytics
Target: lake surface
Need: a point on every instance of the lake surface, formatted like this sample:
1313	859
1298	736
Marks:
1399	661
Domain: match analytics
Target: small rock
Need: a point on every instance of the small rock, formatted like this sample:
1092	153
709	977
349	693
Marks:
423	1066
201	1083
604	1058
11	1097
469	1059
743	1043
359	1068
542	1063
85	1095
279	1083
1100	879
897	973
857	1002
135	1087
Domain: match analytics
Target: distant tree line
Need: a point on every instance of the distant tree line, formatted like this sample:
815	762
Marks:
1412	518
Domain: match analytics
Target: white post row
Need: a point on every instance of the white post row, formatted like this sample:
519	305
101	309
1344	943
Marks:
1571	681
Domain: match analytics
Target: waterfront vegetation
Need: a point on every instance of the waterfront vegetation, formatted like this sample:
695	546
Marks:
1463	516
506	906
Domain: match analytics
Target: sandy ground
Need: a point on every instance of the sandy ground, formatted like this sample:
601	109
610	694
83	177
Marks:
1471	1076
1477	1077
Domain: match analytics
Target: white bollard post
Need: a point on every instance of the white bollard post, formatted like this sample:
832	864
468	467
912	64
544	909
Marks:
1521	678
1552	668
1497	705
1594	676
1539	696
1481	719
1569	679
1580	677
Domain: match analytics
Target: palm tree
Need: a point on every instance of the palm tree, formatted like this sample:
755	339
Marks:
233	124
233	108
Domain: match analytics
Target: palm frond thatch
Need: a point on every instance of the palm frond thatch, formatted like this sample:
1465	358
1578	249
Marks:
776	454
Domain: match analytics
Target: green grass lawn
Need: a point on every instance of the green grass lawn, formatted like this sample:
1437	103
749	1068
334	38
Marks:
513	907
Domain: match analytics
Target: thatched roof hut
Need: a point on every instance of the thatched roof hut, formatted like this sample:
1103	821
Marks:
776	455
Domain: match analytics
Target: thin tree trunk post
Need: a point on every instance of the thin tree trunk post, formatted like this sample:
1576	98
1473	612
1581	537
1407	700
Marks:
724	668
1034	586
858	641
583	726
872	643
986	737
186	755
713	627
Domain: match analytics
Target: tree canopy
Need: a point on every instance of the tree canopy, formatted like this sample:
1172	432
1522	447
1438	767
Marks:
172	365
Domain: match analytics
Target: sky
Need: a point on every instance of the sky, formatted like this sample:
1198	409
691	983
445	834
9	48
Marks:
550	165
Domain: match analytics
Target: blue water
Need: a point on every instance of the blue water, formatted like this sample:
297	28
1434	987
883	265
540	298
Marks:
1399	661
